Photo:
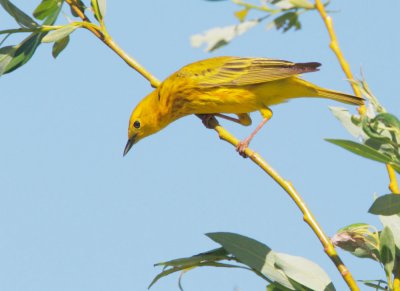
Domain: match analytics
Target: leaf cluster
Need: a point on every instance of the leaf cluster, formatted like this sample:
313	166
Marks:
280	271
14	56
285	16
378	131
365	241
286	272
41	30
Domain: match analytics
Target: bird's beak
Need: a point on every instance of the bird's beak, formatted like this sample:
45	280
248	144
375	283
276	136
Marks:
129	144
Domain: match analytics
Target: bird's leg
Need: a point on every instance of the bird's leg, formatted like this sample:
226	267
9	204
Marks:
243	118
205	119
241	147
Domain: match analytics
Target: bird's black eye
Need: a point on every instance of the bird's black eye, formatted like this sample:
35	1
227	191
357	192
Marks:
136	124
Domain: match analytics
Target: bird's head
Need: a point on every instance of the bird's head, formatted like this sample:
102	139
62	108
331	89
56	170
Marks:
145	120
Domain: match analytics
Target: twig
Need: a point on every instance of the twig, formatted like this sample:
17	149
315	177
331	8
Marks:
105	38
334	45
393	185
263	8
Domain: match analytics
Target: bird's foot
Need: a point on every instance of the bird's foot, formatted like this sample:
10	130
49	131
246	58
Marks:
206	119
242	146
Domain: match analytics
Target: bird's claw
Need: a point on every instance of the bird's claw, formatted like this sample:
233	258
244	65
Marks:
241	148
206	120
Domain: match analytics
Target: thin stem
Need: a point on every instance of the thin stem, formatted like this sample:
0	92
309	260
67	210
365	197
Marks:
43	28
393	185
263	8
154	82
334	45
294	195
17	30
100	33
4	39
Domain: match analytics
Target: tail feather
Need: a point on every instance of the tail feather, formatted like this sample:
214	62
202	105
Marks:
339	96
301	68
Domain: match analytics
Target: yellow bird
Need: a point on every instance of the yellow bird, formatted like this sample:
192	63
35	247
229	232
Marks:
221	85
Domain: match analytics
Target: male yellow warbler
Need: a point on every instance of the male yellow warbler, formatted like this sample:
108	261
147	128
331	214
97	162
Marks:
226	85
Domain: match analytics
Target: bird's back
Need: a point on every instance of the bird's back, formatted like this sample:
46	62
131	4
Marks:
238	71
238	85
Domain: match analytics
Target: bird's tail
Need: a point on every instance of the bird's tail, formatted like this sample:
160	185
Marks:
339	96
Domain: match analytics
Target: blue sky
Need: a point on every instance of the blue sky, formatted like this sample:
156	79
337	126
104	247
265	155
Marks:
75	215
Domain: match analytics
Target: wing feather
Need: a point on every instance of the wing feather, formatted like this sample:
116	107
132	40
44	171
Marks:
235	71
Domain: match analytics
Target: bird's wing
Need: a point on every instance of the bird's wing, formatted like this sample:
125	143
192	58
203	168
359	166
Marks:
235	71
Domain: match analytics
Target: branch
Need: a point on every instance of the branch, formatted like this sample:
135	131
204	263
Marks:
38	29
100	33
263	8
225	135
393	185
334	45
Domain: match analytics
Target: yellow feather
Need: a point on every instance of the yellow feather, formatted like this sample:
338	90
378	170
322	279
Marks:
225	85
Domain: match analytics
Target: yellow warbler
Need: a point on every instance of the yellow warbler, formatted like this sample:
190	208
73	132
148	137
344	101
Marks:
226	85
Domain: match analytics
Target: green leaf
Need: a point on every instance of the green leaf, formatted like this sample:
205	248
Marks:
213	255
377	144
277	287
283	4
219	36
396	167
252	253
99	9
388	204
82	7
383	126
25	50
46	8
52	17
387	250
206	259
304	271
59	46
20	17
6	55
393	223
366	152
102	7
286	22
302	4
60	33
377	284
388	119
361	150
164	273
169	271
345	118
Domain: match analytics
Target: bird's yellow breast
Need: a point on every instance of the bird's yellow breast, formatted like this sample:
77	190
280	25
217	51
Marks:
222	100
184	99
